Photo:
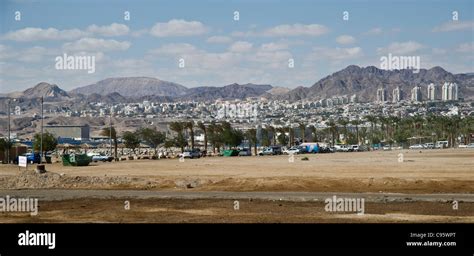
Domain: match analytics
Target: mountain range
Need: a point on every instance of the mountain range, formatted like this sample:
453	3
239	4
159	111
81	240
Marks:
362	81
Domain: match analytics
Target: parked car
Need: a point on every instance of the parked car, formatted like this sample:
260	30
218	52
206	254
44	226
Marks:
387	148
31	158
272	150
245	152
96	157
326	149
354	148
416	146
341	148
292	151
429	145
191	153
442	144
470	145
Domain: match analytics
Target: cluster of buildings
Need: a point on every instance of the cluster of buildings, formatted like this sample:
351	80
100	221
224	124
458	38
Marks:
448	92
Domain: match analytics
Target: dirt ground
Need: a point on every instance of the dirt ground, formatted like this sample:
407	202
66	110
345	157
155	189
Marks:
427	171
421	172
250	211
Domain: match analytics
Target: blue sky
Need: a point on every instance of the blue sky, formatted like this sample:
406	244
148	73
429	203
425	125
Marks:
218	50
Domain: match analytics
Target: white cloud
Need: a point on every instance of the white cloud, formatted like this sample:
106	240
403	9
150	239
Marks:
240	46
400	48
174	49
178	28
297	30
94	44
374	31
466	47
34	54
6	52
345	39
219	39
337	54
455	26
274	46
39	34
113	29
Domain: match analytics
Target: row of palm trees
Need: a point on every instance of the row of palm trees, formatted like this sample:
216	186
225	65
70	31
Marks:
371	128
386	129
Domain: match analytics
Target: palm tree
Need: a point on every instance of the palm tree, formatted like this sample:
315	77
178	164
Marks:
291	135
333	130
190	125
356	123
302	127
265	141
271	130
179	128
344	122
203	128
215	136
466	129
251	135
314	136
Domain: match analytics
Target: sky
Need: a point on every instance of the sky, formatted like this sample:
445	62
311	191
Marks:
317	37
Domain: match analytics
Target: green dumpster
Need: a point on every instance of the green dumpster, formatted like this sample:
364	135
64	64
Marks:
231	152
76	160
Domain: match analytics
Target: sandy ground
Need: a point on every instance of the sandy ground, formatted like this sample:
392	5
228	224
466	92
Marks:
427	171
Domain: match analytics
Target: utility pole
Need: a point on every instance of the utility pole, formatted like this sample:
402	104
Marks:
9	130
110	132
41	145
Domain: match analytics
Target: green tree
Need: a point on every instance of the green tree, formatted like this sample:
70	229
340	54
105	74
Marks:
313	131
356	124
333	130
152	137
215	136
302	127
203	128
190	125
271	130
251	135
282	138
131	140
265	140
180	140
49	142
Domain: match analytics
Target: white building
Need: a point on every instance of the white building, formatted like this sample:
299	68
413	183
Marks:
396	95
431	92
416	94
449	91
381	95
354	98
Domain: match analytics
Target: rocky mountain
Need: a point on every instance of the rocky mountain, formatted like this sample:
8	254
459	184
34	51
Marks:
231	91
50	92
365	81
133	87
